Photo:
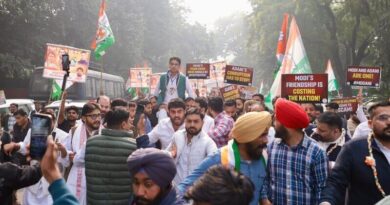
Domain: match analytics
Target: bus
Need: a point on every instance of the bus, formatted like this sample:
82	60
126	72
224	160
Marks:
113	86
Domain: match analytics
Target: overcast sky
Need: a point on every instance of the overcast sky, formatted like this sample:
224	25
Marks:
207	12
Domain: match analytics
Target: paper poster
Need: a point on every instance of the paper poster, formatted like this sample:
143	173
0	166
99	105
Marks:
246	92
364	76
305	88
238	75
79	62
230	92
198	70
198	84
346	105
217	75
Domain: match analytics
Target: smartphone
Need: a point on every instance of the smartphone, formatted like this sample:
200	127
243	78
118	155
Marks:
40	129
140	109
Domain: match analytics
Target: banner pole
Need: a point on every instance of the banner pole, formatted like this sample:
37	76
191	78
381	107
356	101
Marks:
101	78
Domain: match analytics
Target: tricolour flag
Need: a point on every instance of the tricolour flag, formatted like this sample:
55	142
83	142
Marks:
261	89
104	36
281	49
295	61
333	85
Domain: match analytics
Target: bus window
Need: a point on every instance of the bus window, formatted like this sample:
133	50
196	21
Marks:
89	90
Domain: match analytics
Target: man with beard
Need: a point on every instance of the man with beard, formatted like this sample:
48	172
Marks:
363	165
75	146
152	172
243	153
153	117
297	166
165	129
310	109
104	103
208	122
72	115
190	146
240	107
229	108
330	135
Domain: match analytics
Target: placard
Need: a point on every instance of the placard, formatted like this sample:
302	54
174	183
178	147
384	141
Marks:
140	77
198	84
364	76
246	92
154	79
238	75
305	88
2	97
346	105
217	75
198	70
79	62
230	92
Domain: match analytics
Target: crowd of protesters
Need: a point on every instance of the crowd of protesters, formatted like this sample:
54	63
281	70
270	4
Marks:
177	148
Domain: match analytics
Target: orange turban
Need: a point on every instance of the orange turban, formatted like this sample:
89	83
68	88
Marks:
291	114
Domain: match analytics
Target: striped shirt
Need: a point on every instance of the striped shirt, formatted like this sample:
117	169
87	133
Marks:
296	175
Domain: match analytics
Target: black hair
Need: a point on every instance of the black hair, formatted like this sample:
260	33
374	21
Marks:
176	103
14	104
189	99
259	95
377	105
332	105
202	102
119	102
241	99
216	104
194	111
20	112
114	118
221	186
230	103
319	108
175	59
88	108
153	97
144	102
74	108
132	104
331	119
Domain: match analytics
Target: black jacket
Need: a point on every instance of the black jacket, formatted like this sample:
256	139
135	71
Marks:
351	171
13	177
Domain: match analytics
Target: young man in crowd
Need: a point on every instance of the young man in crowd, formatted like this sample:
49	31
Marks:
229	107
75	146
190	146
258	97
223	123
363	165
297	167
208	122
152	171
115	142
330	135
72	115
190	102
173	84
164	131
243	153
153	117
104	103
240	107
221	186
21	128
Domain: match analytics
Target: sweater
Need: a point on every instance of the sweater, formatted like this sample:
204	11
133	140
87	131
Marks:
107	176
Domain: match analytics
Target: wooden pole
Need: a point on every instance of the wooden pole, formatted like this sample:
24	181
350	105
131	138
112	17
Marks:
101	78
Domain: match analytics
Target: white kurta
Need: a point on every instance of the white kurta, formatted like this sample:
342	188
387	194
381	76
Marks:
76	180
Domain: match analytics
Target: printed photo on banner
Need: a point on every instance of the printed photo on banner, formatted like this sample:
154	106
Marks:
246	92
154	79
198	84
364	76
305	88
217	75
79	62
198	70
2	97
230	92
138	84
346	105
238	75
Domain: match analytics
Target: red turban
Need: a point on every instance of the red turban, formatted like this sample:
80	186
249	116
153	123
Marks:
291	114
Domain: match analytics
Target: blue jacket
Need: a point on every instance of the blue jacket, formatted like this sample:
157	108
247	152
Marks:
351	171
61	194
255	171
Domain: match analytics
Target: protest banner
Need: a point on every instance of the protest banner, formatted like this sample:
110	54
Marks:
238	75
305	88
198	84
230	92
364	76
154	79
246	92
79	62
217	75
2	97
346	105
198	70
138	84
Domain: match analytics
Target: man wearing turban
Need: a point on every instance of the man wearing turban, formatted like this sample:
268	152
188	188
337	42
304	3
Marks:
243	153
297	166
152	171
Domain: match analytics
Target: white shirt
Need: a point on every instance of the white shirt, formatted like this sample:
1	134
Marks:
362	130
385	150
60	135
171	91
189	155
208	123
164	132
360	114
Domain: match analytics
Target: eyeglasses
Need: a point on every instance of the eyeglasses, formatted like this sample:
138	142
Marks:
94	116
383	117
